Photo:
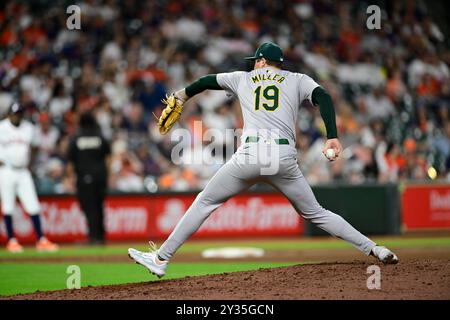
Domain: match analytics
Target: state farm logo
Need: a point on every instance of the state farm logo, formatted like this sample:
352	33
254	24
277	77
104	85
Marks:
253	214
439	206
438	201
70	221
173	211
63	221
127	220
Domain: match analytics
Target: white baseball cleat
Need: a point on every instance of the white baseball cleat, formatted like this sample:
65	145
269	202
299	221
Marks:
384	255
149	260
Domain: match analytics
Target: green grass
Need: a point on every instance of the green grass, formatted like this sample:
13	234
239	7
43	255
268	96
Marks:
198	246
18	278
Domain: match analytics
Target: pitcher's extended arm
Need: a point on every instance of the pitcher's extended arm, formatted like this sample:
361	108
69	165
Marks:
198	86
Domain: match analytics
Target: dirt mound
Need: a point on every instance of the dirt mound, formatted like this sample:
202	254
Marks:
413	279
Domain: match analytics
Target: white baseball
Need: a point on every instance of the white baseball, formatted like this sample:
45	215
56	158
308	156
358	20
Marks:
330	153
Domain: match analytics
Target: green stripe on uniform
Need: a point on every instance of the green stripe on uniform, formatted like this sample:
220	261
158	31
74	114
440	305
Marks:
277	141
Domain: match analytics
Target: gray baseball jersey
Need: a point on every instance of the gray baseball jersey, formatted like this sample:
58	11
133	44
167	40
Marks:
269	97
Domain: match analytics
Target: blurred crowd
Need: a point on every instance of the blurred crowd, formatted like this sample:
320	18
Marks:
390	87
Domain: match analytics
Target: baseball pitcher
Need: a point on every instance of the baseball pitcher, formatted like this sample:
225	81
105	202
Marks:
270	98
16	141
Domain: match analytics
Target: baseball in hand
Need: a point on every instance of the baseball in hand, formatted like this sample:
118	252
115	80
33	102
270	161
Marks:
330	153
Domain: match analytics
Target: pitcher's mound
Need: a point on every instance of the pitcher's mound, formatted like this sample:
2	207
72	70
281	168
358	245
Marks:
413	279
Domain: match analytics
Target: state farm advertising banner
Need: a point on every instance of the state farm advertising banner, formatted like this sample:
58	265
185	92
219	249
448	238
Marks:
145	217
426	206
243	215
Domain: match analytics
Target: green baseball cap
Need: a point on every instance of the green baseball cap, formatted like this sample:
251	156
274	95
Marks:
269	51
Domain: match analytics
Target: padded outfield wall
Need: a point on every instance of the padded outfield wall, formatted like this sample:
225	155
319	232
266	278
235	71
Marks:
373	209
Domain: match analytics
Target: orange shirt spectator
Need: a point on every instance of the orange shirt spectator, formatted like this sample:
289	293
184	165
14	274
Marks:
33	35
429	86
22	60
8	37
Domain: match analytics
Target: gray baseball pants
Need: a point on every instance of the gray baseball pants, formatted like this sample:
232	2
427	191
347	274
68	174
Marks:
261	162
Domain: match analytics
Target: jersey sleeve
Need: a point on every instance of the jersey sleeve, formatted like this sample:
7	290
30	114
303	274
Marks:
230	81
307	86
